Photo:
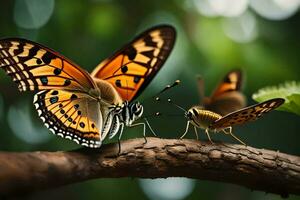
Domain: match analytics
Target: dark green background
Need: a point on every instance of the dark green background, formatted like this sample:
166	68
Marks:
89	31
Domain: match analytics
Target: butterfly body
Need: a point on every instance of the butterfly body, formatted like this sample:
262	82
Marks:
106	92
211	121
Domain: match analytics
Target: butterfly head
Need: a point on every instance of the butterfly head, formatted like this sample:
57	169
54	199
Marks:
193	113
201	117
188	114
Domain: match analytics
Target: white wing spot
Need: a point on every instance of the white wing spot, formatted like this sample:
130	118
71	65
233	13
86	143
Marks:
68	137
61	135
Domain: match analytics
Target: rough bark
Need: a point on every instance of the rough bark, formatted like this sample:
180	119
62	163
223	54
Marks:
256	169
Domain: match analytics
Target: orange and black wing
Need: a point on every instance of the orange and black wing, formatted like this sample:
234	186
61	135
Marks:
64	103
71	115
35	67
231	82
132	68
247	114
227	97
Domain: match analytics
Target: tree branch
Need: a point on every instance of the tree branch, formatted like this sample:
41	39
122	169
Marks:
257	169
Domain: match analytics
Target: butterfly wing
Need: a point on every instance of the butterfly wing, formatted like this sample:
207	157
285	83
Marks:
247	114
64	103
71	115
227	96
231	82
132	68
35	67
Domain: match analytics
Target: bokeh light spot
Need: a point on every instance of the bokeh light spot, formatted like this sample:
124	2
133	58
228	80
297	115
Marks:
241	29
204	7
21	123
104	20
227	8
275	9
33	14
167	189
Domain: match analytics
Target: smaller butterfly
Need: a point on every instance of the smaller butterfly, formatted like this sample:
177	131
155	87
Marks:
207	118
227	96
211	121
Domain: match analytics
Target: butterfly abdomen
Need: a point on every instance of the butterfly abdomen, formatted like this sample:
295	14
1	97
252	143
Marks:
107	92
202	118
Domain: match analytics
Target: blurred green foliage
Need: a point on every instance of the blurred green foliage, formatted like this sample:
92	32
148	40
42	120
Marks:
290	91
89	31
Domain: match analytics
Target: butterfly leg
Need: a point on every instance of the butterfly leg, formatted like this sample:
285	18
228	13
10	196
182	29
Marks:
119	138
150	127
144	132
196	132
235	137
207	133
186	130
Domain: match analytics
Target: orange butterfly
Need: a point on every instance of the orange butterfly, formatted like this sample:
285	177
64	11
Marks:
82	107
227	96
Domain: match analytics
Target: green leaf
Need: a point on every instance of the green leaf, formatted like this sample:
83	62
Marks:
290	91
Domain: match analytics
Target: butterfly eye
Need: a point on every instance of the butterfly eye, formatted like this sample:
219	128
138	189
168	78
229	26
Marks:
139	106
188	114
135	107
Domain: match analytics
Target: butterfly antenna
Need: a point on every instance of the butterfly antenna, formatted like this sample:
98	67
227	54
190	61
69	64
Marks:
174	115
157	114
177	82
162	91
176	105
